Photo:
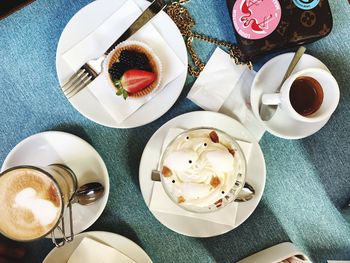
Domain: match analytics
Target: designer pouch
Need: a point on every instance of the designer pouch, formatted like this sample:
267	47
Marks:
263	26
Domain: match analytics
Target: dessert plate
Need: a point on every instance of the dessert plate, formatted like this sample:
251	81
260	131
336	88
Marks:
256	172
267	80
83	23
124	245
59	147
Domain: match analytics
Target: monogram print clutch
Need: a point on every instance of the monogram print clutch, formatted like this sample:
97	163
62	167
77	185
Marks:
263	26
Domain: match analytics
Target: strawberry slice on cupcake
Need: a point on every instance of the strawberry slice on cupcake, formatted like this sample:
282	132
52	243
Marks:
133	81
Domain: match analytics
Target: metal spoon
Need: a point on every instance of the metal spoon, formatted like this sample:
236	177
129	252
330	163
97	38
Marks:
267	111
244	195
88	193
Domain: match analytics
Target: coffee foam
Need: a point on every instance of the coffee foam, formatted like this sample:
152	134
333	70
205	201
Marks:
30	204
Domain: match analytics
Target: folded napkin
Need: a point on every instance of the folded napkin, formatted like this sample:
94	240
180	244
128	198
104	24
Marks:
225	87
100	39
91	251
161	202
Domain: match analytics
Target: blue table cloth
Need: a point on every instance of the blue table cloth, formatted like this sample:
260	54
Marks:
308	180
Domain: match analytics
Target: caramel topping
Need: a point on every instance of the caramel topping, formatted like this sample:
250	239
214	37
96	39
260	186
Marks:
214	137
215	181
181	199
231	151
166	171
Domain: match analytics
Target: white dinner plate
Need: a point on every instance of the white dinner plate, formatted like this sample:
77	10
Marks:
122	244
59	147
256	172
83	23
267	80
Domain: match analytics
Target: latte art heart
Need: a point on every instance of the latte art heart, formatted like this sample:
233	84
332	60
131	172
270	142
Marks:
44	211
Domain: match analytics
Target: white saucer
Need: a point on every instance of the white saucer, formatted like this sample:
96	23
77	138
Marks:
124	245
85	21
59	147
256	172
267	80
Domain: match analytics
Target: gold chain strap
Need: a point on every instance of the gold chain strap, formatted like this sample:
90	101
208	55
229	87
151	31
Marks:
183	20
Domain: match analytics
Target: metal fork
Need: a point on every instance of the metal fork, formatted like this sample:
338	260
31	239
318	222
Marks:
91	69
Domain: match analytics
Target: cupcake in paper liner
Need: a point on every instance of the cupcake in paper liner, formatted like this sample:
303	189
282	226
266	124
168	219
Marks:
133	69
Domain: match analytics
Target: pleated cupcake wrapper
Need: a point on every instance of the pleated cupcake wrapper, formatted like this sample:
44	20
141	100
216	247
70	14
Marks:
140	47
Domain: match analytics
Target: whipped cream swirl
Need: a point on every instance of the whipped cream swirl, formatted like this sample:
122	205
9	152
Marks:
199	168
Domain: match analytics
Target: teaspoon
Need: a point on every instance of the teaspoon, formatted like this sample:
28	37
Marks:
246	193
88	193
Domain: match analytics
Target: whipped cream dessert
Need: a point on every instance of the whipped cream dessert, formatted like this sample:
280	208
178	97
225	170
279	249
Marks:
200	168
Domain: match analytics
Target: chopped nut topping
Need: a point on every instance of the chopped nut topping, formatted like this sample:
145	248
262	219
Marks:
166	171
231	151
181	199
215	181
214	137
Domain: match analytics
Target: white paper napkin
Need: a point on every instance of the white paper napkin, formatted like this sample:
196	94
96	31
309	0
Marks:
160	201
91	251
225	87
104	36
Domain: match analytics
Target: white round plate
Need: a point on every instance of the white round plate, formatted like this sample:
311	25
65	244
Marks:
267	80
122	244
90	17
256	172
59	147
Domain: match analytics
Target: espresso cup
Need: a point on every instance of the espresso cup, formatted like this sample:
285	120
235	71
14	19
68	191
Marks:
203	169
310	95
33	201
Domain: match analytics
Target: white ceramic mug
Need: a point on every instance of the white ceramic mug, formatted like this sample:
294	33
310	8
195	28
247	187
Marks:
330	101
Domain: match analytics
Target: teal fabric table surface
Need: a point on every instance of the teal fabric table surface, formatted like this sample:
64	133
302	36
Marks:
308	180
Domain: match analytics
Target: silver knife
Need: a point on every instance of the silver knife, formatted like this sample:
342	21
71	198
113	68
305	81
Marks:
146	16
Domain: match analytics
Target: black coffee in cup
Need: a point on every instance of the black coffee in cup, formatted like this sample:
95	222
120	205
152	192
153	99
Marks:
306	95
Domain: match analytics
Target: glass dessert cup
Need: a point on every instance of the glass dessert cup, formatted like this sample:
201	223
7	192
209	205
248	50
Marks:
203	169
31	199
